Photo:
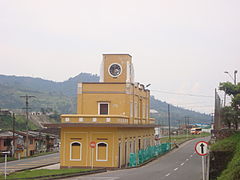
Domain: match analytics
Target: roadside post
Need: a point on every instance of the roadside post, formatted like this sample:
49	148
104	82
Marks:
5	164
92	145
201	149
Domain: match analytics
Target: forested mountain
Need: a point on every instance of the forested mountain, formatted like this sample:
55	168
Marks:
61	97
177	115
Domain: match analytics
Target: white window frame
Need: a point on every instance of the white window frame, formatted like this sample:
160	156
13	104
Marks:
71	151
97	152
99	103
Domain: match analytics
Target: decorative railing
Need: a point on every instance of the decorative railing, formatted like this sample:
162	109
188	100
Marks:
151	121
110	119
79	118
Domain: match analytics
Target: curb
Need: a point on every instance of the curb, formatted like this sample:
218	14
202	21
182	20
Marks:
62	176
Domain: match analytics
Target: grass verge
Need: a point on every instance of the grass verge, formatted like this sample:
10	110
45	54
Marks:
232	144
44	173
182	138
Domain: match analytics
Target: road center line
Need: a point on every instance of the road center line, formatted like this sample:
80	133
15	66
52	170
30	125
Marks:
175	169
187	159
182	164
167	174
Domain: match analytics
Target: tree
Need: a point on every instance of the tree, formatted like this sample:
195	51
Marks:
233	91
228	115
229	88
236	102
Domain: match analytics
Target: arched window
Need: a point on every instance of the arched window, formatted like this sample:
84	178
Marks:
102	151
75	151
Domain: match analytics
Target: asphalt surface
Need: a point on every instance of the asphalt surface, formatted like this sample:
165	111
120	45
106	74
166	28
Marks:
30	163
180	164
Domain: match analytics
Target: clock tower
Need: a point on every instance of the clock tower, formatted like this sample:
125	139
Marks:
112	113
117	68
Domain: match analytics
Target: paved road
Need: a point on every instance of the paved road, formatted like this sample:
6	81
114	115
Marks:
180	164
30	163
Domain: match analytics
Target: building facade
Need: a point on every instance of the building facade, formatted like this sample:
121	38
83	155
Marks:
113	114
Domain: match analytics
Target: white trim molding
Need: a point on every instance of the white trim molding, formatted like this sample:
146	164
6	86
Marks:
106	152
71	151
104	102
108	119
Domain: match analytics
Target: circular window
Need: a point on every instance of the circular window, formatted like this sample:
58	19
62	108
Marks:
115	70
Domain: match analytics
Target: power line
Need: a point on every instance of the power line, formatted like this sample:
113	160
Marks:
184	94
202	102
201	106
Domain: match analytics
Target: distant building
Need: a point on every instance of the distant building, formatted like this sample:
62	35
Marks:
112	114
153	111
6	143
5	112
36	113
38	142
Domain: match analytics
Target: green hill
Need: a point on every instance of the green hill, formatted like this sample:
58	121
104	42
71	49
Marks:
20	123
61	97
177	114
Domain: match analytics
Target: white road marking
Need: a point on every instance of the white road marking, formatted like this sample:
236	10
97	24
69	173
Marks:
187	159
99	178
191	156
175	169
167	174
182	164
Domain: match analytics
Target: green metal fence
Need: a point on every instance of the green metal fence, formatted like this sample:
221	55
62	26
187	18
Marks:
150	152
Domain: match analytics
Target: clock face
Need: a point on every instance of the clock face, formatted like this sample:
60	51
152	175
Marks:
115	70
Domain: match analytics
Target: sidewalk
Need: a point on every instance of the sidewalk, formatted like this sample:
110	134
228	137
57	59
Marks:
30	163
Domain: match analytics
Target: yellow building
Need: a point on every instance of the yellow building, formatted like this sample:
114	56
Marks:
113	113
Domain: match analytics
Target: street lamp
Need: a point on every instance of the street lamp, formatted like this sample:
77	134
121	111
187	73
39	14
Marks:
148	85
235	76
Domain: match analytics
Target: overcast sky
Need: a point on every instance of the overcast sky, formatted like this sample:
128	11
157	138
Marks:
180	46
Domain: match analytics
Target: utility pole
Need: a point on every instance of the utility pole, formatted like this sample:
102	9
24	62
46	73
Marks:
169	124
27	97
186	125
178	126
224	100
13	145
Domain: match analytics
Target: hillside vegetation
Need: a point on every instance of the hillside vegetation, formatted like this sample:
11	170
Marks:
177	114
231	145
61	97
20	123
